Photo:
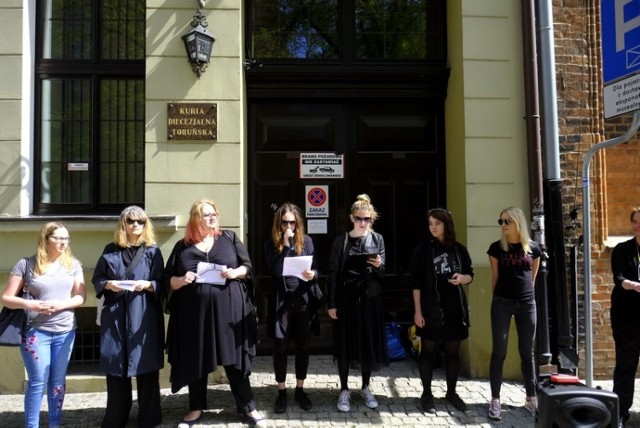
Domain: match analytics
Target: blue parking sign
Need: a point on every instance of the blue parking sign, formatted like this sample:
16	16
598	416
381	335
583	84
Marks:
620	38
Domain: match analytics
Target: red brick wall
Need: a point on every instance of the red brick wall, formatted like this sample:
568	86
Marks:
614	171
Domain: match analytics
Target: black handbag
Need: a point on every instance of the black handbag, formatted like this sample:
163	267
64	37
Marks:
14	321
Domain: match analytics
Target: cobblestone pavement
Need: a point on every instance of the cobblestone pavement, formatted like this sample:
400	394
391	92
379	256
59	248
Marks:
397	388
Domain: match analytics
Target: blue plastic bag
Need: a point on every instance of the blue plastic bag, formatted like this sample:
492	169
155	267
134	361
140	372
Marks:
395	349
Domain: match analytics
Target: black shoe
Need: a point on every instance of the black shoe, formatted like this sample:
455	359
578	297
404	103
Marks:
457	402
303	399
281	402
190	423
622	422
428	406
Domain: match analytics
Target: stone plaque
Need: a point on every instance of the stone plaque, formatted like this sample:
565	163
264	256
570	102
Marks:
192	121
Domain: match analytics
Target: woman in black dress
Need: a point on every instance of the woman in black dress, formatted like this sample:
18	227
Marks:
211	323
439	267
292	301
356	271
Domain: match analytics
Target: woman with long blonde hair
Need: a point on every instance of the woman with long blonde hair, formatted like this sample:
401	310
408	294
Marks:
514	261
55	281
128	275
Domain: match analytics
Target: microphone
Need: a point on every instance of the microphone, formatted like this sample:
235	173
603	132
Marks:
290	242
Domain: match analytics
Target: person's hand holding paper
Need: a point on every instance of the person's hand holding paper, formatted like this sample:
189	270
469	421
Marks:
210	273
295	266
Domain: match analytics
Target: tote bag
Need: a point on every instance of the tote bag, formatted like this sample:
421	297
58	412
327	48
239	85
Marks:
14	321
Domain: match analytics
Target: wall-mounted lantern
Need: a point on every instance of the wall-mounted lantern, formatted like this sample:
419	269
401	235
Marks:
198	42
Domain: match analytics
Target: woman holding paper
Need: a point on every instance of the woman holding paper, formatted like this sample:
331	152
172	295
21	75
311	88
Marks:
211	324
292	301
129	277
356	271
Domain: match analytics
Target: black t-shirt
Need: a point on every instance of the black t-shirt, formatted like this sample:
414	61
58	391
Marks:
446	264
515	270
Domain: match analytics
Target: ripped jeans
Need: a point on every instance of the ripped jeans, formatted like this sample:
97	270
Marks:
46	357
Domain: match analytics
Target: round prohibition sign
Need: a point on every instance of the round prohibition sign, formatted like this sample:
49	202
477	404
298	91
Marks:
317	196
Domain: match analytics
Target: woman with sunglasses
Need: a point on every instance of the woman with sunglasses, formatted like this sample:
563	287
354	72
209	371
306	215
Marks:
293	301
356	272
128	275
55	281
211	320
514	261
440	265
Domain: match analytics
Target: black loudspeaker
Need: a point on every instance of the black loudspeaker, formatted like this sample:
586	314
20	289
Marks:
576	405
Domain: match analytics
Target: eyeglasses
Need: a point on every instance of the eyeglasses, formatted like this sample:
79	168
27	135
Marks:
361	219
288	223
131	221
505	221
60	238
210	215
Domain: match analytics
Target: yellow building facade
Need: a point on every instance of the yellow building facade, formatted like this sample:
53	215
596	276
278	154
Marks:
486	152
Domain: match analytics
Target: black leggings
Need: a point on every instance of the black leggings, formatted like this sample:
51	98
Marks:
343	372
451	364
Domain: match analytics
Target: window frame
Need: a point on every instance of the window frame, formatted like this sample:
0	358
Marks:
95	70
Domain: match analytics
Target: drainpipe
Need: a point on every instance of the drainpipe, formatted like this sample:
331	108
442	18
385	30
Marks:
532	118
552	216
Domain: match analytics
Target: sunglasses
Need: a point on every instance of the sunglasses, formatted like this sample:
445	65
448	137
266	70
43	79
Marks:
60	238
505	221
131	221
210	215
288	223
361	219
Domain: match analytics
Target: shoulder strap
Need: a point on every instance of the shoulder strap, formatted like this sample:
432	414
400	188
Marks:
135	260
26	279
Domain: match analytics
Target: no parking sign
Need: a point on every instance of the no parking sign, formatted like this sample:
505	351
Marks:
317	201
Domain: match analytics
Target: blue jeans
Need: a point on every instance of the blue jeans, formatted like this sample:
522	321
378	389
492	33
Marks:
46	357
524	312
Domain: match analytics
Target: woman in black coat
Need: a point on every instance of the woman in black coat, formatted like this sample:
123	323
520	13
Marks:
293	301
439	267
129	277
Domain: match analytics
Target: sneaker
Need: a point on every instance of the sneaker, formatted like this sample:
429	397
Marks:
344	401
369	399
303	399
495	411
531	404
456	401
281	402
428	406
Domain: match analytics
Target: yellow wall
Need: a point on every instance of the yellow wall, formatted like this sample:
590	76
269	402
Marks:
486	149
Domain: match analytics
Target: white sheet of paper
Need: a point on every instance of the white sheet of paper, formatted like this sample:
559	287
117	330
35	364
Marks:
294	266
127	285
210	273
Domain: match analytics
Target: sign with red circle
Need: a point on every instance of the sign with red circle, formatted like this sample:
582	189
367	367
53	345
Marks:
317	201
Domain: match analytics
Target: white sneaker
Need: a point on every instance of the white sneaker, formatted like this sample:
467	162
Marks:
495	410
344	401
531	404
369	399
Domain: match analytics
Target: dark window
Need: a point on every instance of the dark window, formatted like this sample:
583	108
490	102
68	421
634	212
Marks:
90	97
348	30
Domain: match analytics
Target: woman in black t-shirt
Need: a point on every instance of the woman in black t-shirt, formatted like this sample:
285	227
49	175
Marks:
514	263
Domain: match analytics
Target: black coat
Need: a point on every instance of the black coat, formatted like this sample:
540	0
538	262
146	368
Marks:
279	299
424	278
625	304
373	243
132	322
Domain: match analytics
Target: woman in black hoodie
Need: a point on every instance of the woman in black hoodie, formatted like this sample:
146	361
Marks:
439	267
